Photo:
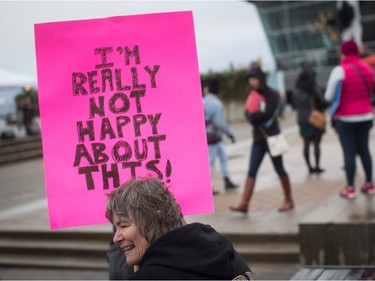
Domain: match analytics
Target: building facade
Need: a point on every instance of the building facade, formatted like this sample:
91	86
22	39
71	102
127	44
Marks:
300	31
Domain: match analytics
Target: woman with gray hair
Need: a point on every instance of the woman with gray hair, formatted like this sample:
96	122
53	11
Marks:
154	236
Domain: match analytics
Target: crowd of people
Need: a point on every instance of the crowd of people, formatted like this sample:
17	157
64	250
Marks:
150	233
348	96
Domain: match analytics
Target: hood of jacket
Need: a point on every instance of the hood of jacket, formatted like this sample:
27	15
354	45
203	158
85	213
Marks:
257	72
194	251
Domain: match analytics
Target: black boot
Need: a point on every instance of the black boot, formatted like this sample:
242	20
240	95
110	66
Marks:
229	184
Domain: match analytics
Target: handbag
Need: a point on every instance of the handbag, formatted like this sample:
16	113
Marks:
277	144
213	138
317	118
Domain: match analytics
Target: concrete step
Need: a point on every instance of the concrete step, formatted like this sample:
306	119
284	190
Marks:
54	249
14	272
267	247
20	149
46	235
75	248
263	238
274	270
269	252
19	141
7	150
20	156
21	144
88	249
53	261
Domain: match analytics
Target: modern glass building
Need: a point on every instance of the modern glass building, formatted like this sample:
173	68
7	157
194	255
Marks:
297	31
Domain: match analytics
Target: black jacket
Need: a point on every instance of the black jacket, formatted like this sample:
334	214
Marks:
272	101
307	95
193	252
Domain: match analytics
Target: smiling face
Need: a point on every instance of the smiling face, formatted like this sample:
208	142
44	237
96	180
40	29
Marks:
130	240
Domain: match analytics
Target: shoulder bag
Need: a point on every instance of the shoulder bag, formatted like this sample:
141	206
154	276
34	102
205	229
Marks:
316	118
277	144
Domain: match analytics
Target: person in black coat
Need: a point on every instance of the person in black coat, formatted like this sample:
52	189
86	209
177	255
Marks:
263	120
28	115
152	233
307	97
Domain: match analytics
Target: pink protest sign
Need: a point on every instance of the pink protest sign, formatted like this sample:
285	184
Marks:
120	98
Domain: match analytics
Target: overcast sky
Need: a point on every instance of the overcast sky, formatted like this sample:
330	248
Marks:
227	32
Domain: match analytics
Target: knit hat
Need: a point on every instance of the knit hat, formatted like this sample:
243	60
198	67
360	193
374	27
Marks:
349	48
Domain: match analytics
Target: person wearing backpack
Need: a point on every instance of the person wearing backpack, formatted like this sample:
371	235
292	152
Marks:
216	126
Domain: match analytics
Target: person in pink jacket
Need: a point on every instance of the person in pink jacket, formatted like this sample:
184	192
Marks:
349	90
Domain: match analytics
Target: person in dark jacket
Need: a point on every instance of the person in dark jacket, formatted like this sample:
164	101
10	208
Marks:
307	97
155	238
28	115
263	119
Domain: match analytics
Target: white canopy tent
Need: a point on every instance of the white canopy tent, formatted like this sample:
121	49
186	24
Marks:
9	79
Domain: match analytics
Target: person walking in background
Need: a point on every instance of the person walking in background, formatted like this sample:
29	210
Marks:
349	88
267	113
28	111
28	115
153	234
308	96
216	126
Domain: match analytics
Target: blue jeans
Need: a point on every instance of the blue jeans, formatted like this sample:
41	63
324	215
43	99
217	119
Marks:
258	150
354	139
218	149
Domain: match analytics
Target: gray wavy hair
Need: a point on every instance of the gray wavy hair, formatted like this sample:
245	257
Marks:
147	203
